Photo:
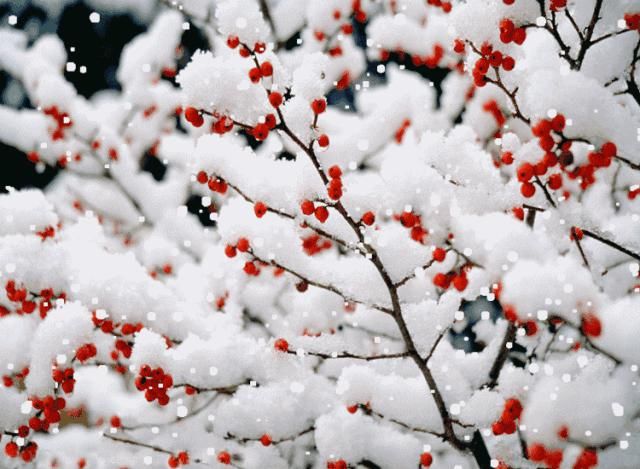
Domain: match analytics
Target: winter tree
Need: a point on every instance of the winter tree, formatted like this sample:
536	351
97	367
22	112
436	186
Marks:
421	243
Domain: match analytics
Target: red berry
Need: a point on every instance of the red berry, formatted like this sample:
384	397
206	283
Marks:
558	123
183	457
439	254
193	116
115	421
260	208
281	345
260	132
266	440
173	461
527	190
497	428
426	459
335	172
441	280
255	75
408	219
266	69
555	181
224	457
460	282
507	157
202	177
307	207
243	245
323	140
563	432
609	149
230	251
536	452
250	268
458	46
591	325
368	218
319	105
525	172
233	41
275	98
512	409
321	213
508	63
11	449
519	36
352	409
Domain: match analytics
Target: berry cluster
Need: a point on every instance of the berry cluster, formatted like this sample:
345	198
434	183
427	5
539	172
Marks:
182	458
490	58
86	352
46	232
506	424
215	184
314	244
509	32
27	452
320	212
413	222
155	383
47	412
458	280
510	314
335	184
61	120
43	301
551	458
242	245
9	380
64	379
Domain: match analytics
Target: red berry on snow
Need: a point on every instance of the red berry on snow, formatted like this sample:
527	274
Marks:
439	254
321	213
281	345
275	98
591	325
323	140
426	459
266	440
368	218
260	209
319	105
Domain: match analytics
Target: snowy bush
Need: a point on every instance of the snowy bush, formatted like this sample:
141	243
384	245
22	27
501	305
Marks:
396	273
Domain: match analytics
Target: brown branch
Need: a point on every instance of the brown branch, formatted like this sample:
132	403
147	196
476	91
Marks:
576	239
388	356
586	43
611	243
503	354
477	446
324	286
230	436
